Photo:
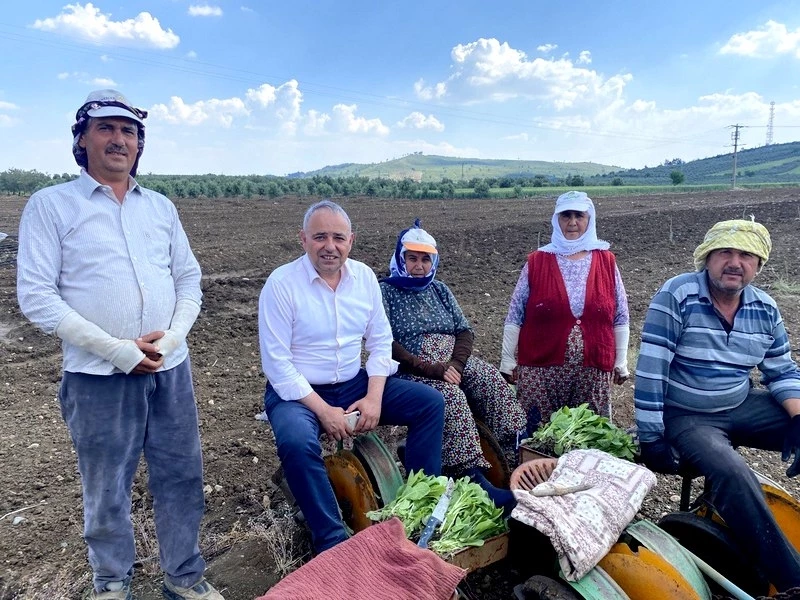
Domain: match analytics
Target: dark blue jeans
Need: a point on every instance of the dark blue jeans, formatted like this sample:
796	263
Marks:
297	431
114	418
706	441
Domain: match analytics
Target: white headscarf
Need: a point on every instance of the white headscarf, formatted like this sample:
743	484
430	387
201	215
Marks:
588	241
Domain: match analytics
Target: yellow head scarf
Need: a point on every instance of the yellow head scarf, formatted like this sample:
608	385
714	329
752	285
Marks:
739	234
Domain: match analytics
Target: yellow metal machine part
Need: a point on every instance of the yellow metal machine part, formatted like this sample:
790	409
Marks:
352	488
785	509
644	575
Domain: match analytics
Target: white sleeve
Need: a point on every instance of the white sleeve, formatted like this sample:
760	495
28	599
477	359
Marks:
508	356
183	318
622	334
123	354
275	317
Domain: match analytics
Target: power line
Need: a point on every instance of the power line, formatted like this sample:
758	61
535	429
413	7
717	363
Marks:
338	94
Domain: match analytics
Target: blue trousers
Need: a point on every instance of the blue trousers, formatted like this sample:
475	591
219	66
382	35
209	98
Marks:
297	432
112	419
706	441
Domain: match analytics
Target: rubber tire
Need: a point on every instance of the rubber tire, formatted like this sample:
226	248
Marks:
714	543
500	473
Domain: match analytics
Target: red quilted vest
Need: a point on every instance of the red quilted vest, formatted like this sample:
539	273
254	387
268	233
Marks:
548	319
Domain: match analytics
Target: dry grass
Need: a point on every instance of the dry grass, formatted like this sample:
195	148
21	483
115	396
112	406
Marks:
785	287
144	531
284	539
53	584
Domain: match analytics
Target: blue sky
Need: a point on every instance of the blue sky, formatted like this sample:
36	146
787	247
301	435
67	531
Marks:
277	87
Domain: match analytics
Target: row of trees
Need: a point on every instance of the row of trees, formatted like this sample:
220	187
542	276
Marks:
20	182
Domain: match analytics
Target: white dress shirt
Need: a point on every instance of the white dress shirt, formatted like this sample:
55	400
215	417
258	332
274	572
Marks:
121	266
310	334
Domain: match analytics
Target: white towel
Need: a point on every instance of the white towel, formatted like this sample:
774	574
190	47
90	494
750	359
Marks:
583	508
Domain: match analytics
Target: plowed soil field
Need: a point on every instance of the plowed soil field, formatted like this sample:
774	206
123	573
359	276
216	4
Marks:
247	535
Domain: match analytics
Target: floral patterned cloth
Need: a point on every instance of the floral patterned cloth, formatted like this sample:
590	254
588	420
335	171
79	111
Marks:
583	525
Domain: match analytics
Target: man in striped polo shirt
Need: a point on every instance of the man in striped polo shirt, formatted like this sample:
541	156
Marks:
703	334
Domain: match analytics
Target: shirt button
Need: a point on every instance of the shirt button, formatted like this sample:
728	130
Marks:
578	322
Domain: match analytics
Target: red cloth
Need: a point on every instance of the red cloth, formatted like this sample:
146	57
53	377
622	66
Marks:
548	318
378	563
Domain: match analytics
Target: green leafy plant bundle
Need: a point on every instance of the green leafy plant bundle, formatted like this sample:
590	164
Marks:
574	428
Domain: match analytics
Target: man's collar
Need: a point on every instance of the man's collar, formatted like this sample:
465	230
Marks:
308	266
89	184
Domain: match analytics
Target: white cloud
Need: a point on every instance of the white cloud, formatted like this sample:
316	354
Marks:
191	54
417	120
315	123
87	22
584	58
105	58
204	10
284	103
246	9
487	70
7	120
263	95
519	137
84	77
546	48
430	92
346	121
288	100
218	111
771	39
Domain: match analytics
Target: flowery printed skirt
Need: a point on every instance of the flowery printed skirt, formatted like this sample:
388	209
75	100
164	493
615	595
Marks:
543	390
484	392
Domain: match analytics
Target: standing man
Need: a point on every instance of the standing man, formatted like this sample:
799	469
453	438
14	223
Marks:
312	316
105	265
703	334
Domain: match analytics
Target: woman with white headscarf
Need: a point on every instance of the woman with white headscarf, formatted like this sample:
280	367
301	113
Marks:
566	332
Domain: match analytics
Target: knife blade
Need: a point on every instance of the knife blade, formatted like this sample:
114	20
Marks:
438	514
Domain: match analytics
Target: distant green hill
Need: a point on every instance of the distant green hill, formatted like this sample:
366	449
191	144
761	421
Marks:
777	163
422	168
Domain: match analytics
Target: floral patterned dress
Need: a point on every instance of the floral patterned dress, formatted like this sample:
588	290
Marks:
426	323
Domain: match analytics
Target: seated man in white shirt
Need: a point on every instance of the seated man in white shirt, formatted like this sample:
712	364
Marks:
312	315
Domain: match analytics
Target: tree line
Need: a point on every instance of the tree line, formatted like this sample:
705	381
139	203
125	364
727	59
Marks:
22	182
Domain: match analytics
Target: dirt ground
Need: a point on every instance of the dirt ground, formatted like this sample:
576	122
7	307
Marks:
247	535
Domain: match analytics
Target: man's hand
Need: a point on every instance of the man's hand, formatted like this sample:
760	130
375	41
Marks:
153	360
333	422
659	456
370	408
791	446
